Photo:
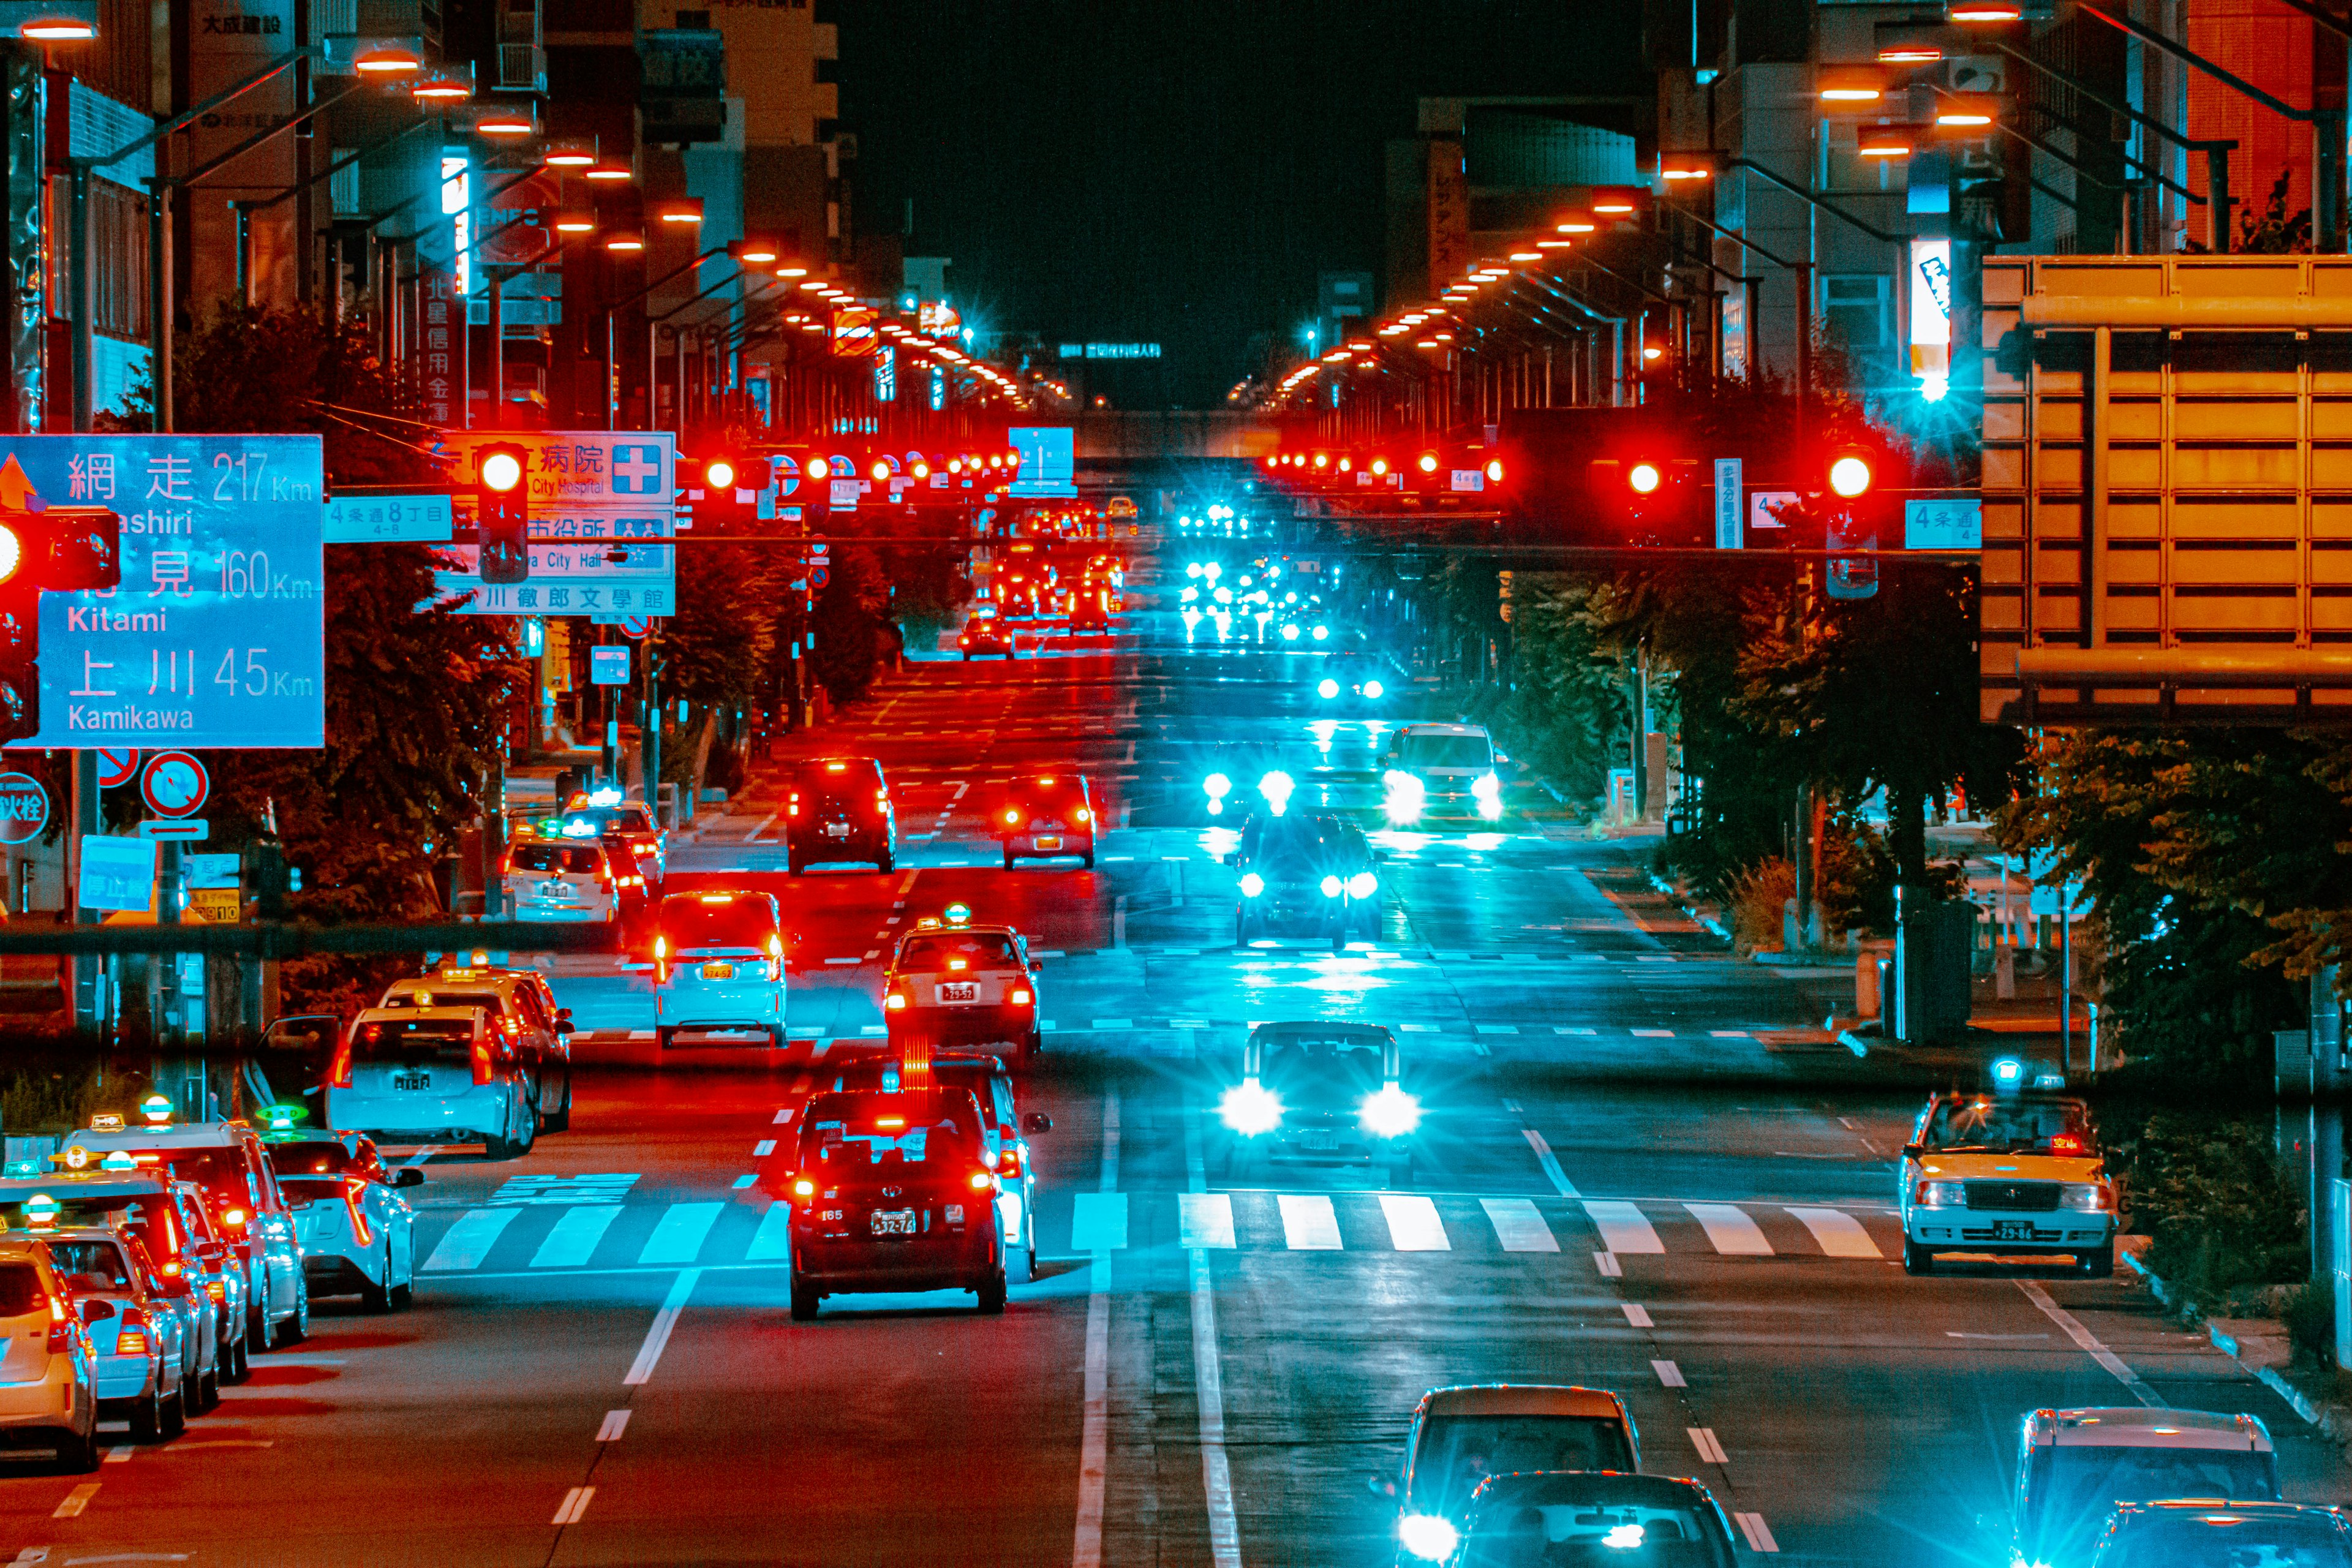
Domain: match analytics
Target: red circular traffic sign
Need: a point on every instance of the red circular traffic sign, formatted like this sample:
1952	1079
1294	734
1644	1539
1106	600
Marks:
117	765
24	808
174	783
636	626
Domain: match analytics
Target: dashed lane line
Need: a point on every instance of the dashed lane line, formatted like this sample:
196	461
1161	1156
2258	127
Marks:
649	1354
2089	1344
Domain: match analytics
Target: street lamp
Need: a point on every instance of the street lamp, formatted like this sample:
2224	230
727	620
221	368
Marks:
444	84
502	120
679	210
625	241
1849	84
570	155
1884	141
610	174
1965	112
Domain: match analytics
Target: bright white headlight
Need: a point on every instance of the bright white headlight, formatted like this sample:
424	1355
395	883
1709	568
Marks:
1363	885
1331	886
1252	884
1250	1108
1427	1537
1373	688
1326	688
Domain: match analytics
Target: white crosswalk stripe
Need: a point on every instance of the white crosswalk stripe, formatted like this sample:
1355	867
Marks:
1204	1219
470	1239
773	1239
573	1240
1623	1226
1839	1233
1310	1223
1413	1223
1730	1230
679	1235
1519	1225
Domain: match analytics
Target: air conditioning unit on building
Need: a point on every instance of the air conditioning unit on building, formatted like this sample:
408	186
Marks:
522	67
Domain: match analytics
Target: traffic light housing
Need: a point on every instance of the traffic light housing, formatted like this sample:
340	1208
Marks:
725	473
502	511
1651	497
61	549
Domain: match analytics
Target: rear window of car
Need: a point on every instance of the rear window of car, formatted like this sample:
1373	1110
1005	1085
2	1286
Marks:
570	859
977	949
20	1290
841	773
91	1265
488	1001
691	924
149	1219
322	1159
413	1039
1038	794
860	1133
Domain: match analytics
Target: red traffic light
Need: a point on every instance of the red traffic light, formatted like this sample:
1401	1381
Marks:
719	474
1644	478
500	467
1850	474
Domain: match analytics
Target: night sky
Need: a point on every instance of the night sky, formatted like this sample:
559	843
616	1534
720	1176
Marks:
1176	173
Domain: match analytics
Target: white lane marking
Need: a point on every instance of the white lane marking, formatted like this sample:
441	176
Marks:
119	1455
1759	1539
1839	1233
1730	1230
1512	1106
1570	1029
1728	1034
775	1237
959	789
1669	1374
1413	1225
744	1180
1550	1161
1519	1225
1308	1222
680	1234
76	1501
1610	1267
575	1503
421	1155
615	1423
2090	1345
1204	1219
657	1337
1653	1034
2006	1339
575	1236
1493	1029
1702	1439
1094	1434
1097	1222
763	1148
1208	1374
1623	1226
784	1115
469	1241
1637	1315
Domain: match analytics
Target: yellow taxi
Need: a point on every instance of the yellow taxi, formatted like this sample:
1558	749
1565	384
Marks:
2013	1172
954	982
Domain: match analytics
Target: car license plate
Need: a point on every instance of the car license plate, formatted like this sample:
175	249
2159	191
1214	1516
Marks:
555	889
718	971
1317	1137
411	1080
959	991
893	1222
2013	1231
1049	841
837	830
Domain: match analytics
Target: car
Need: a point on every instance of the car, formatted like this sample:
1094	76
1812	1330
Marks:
1090	609
226	1163
2016	1173
1464	1433
2075	1467
719	965
580	880
1045	815
952	982
893	1192
522	1007
1311	875
432	1075
214	1267
985	634
149	1347
838	808
612	816
1353	681
2191	1532
1321	1090
1532	1518
1002	1129
358	1234
49	1366
1440	773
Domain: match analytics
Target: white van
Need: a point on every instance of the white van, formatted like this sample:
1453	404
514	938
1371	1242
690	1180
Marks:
432	1075
1441	771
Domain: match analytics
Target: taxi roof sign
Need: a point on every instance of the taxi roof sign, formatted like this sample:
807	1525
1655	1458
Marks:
958	914
281	1117
120	1159
156	1108
106	1121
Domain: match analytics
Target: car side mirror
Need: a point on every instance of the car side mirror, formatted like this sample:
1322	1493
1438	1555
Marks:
563	1027
407	1176
1380	856
1913	1151
563	1015
1036	1121
97	1312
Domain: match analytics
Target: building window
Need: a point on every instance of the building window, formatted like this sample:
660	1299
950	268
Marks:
118	243
1857	310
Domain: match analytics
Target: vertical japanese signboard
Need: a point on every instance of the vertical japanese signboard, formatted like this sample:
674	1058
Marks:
440	349
601	522
216	634
1449	214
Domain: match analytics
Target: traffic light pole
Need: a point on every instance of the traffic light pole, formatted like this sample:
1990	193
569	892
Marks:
88	969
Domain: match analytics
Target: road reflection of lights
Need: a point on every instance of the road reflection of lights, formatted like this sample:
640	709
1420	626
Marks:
1398	841
1323	730
1217	843
1481	841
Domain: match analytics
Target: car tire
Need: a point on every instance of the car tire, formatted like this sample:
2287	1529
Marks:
886	862
374	1297
1917	1260
662	1037
1029	1264
1089	858
235	1366
804	1299
561	1120
175	1413
2100	1265
147	1418
297	1328
77	1452
794	865
1008	859
967	655
775	1037
529	1130
258	1324
208	1388
991	1293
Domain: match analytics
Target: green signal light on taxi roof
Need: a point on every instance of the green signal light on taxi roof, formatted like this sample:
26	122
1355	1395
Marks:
283	1116
958	914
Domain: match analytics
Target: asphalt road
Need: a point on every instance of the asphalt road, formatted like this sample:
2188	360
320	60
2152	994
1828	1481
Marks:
1646	1171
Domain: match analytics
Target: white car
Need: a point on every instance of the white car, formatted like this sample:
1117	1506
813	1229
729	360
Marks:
49	1380
522	1006
2074	1466
432	1075
553	880
358	1234
1441	771
718	967
147	1347
2007	1175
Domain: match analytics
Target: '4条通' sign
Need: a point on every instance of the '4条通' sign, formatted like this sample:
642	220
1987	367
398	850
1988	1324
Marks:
216	634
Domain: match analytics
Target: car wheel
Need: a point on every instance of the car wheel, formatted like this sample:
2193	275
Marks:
775	1037
147	1418
1029	1264
662	1037
77	1451
991	1293
1089	858
561	1120
208	1387
297	1327
376	1296
967	655
886	862
1917	1260
2100	1265
1008	859
258	1324
804	1301
173	1413
233	1365
528	1130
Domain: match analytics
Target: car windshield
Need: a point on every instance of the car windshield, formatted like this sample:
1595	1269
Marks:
149	1219
20	1290
1541	1535
326	1157
220	1172
694	923
1448	752
979	950
2086	1483
91	1265
568	859
1321	1073
1457	1452
2183	1538
2006	1126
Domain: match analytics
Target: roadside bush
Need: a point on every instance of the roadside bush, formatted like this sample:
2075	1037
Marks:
2215	1200
2311	1318
1758	897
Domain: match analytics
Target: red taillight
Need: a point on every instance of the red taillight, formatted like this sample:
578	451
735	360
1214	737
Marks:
338	1069
1012	816
882	801
62	1324
802	1187
982	1181
216	1288
1084	814
506	864
354	1191
1008	1163
1018	998
508	1027
481	1054
894	1002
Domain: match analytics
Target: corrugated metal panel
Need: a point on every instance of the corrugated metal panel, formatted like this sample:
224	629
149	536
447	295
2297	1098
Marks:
1531	150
